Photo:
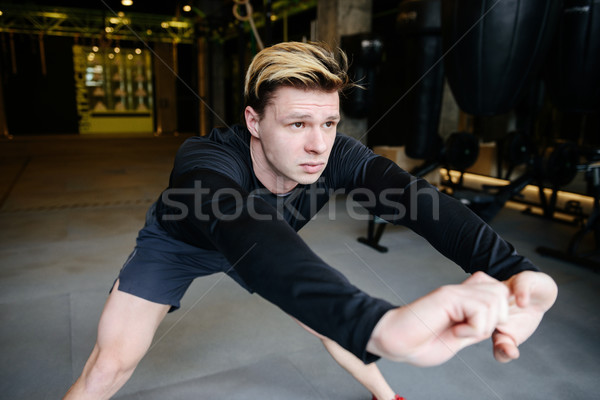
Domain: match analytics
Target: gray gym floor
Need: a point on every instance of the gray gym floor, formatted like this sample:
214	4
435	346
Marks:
70	211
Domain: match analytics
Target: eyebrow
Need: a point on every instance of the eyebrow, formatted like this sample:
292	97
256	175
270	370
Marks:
309	116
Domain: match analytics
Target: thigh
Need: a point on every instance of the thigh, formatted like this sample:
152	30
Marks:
127	326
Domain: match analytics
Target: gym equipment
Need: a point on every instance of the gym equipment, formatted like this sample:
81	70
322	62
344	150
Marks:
492	49
560	166
493	52
422	81
573	78
574	86
573	253
555	167
459	152
491	128
515	149
489	201
365	53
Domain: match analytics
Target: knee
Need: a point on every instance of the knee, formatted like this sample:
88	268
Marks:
107	370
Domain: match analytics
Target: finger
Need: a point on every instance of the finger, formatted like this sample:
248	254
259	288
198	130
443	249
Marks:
470	331
474	326
480	277
525	284
521	289
485	308
504	307
505	348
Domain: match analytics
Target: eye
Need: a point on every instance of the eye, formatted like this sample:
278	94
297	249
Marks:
329	124
298	124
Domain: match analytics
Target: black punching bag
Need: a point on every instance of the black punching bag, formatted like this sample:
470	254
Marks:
493	48
422	81
573	79
365	53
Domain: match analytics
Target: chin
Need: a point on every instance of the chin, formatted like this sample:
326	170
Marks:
308	179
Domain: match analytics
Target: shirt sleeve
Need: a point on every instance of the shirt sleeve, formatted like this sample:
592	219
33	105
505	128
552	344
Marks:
270	257
452	228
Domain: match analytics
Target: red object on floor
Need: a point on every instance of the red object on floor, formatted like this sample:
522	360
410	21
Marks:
395	398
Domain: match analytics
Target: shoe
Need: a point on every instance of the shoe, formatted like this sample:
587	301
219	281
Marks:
397	397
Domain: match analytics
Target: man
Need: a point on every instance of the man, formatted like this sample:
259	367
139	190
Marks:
235	202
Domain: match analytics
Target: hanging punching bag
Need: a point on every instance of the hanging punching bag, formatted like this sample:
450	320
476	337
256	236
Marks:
492	48
422	81
365	53
573	78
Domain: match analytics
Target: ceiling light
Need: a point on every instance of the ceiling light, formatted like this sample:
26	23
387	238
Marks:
175	24
56	15
127	3
119	20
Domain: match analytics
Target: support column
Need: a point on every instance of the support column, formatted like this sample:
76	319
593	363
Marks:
201	46
3	122
211	85
217	86
337	18
166	97
211	62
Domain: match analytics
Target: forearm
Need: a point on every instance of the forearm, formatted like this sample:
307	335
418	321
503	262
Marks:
450	227
464	238
292	277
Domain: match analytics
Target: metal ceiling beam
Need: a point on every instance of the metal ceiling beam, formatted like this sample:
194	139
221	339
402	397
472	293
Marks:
109	25
61	21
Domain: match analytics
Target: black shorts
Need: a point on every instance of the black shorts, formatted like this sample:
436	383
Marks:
161	268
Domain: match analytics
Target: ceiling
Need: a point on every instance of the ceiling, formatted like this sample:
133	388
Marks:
165	7
89	18
163	20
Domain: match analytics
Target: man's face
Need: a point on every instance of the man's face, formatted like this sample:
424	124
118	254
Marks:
292	141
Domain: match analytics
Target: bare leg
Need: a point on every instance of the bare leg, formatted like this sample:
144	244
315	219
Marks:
125	332
367	375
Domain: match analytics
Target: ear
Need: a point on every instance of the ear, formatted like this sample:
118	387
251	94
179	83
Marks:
252	121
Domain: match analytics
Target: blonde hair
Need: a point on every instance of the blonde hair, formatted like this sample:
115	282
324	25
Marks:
311	66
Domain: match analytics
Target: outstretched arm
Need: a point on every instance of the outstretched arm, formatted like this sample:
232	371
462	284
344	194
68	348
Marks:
464	238
447	224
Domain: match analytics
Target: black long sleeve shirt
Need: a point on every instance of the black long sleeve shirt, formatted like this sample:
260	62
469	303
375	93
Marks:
214	201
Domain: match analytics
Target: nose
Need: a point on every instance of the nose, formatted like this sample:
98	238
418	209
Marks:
315	142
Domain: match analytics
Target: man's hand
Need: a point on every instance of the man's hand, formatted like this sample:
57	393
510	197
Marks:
432	329
532	294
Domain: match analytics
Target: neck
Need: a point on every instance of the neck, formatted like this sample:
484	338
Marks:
274	183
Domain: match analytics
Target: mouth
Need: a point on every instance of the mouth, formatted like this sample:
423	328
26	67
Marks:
312	167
